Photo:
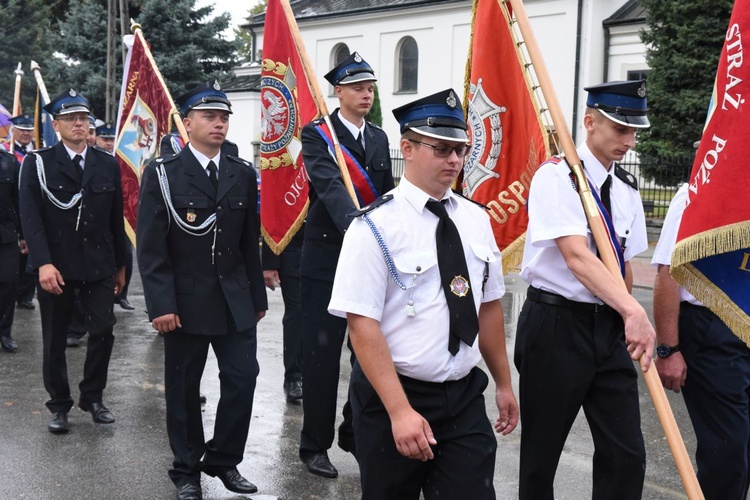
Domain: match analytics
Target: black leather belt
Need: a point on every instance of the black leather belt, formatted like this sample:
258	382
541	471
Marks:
553	299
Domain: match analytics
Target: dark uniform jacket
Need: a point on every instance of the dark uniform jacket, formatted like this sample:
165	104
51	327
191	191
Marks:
177	271
96	250
330	204
9	220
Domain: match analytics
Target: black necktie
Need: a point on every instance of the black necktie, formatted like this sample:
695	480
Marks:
605	195
77	160
213	174
454	276
359	140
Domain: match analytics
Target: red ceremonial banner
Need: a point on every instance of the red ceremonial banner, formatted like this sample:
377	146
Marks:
712	255
143	118
506	133
287	104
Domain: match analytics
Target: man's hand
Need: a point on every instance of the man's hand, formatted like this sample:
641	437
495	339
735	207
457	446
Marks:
271	278
166	323
508	408
639	337
23	247
50	279
413	435
119	280
260	315
672	371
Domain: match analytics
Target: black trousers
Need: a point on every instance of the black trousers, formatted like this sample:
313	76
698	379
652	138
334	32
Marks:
128	269
26	281
56	310
184	359
291	293
464	462
321	346
568	359
7	307
717	396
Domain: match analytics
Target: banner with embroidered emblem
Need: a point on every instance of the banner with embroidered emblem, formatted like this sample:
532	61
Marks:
287	104
363	187
712	256
507	136
143	119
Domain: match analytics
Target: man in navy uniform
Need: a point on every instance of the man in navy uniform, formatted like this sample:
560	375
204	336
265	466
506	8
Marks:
105	137
9	245
71	213
579	330
200	266
327	220
701	357
430	311
22	137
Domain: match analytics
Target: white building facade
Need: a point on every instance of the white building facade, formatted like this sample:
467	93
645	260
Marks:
418	47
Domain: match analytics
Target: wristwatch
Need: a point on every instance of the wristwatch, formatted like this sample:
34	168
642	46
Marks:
665	351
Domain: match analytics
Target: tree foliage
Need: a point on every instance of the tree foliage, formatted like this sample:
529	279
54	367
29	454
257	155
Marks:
187	43
25	32
375	115
684	42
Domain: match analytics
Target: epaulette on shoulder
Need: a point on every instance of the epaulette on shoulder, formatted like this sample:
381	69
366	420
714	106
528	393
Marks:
41	150
161	160
460	195
372	206
626	177
318	121
242	162
374	126
555	160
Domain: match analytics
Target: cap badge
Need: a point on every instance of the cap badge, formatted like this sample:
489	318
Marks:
460	286
357	58
451	100
72	93
642	90
216	85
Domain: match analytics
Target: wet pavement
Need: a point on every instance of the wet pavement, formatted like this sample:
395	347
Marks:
129	459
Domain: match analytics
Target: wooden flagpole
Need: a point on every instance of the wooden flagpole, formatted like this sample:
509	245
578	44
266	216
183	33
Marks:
37	70
317	95
661	404
16	101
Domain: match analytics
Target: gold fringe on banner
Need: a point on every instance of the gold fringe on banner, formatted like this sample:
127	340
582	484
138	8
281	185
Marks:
513	255
279	247
723	239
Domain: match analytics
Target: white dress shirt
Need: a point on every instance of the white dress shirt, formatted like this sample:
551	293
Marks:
668	237
203	159
555	211
363	284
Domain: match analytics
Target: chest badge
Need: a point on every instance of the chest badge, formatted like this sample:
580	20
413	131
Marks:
191	216
460	286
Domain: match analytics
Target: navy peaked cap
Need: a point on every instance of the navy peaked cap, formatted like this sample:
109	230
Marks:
23	122
68	102
353	69
205	96
439	115
623	102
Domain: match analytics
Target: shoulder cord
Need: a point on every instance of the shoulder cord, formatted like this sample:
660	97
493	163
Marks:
43	185
409	307
207	225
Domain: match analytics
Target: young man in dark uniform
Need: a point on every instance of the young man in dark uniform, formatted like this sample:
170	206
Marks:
9	247
327	220
197	234
579	330
71	213
23	132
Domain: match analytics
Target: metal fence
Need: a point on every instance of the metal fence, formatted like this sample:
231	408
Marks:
656	192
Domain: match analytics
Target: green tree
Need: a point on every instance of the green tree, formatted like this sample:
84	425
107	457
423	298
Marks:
187	43
25	32
684	43
375	115
245	39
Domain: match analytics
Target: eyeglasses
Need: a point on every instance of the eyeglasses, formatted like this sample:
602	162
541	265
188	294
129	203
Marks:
444	151
73	118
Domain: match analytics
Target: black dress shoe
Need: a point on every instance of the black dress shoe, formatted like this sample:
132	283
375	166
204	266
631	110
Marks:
190	491
99	413
125	304
26	304
202	398
320	465
72	341
232	479
8	344
293	391
59	424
